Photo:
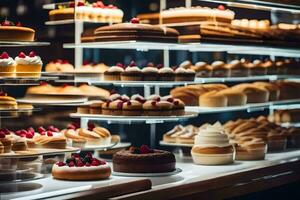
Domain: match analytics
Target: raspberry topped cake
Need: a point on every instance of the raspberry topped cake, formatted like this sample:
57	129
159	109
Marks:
15	32
81	168
143	160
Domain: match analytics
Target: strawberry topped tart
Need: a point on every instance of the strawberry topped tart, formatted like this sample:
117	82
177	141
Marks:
81	168
15	32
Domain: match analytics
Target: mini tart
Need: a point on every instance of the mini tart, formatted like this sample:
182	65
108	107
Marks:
150	74
212	155
104	135
157	108
132	108
156	161
116	107
7	144
113	73
250	148
203	69
184	74
7	65
254	93
219	69
16	33
131	74
213	99
96	107
235	98
76	140
166	74
7	102
237	69
170	136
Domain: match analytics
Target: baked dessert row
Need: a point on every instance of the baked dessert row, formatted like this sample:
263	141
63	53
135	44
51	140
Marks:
83	10
9	103
220	95
53	138
243	68
65	89
22	66
10	31
285	116
135	105
148	73
134	160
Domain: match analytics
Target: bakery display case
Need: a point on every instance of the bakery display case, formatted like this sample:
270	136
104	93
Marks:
204	104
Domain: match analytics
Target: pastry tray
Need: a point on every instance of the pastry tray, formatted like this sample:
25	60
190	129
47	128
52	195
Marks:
176	171
32	152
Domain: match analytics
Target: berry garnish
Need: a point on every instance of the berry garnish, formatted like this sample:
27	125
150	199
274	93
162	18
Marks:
89	154
221	7
49	133
176	103
19	24
6	131
132	64
111	6
80	3
120	105
65	62
2	135
52	128
30	130
18	132
145	149
170	100
87	164
41	129
129	103
6	23
95	163
43	83
120	65
43	133
2	93
71	126
65	85
32	54
72	4
159	66
91	126
153	103
135	20
60	164
80	164
150	64
4	55
29	135
23	132
100	4
71	164
22	55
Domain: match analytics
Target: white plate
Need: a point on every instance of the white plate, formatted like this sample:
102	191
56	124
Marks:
176	171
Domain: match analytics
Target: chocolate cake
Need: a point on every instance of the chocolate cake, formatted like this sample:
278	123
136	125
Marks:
136	31
143	160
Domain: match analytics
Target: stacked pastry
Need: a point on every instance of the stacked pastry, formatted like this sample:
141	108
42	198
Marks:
84	90
149	73
219	95
242	68
212	146
181	135
286	116
137	105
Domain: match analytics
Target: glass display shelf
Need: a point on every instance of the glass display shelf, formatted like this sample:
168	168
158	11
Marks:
163	143
14	113
22	44
290	124
19	176
211	45
52	6
73	21
267	5
110	119
11	81
254	107
285	107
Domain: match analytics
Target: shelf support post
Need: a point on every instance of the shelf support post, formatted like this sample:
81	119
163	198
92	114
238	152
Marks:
152	135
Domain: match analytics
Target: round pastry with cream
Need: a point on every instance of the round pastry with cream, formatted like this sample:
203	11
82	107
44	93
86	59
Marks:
79	168
212	147
7	65
182	74
113	73
28	66
132	73
150	73
166	74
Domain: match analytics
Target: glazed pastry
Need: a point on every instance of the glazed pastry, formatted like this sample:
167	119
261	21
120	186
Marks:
250	148
113	73
150	74
235	98
213	99
212	147
182	74
132	108
79	168
75	139
7	65
170	136
143	160
104	134
166	74
131	73
28	66
92	138
46	141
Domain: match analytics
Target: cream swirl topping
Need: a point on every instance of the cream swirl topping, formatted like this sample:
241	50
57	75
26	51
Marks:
166	70
7	62
115	69
211	137
35	60
150	69
132	69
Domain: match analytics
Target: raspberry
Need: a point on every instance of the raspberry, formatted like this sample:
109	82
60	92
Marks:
76	155
29	135
87	164
71	164
65	62
22	55
4	55
6	23
100	4
80	3
132	64
19	24
80	164
60	164
145	149
135	20
176	103
49	133
129	103
221	7
91	125
18	132
2	135
30	130
110	6
72	4
6	131
120	105
41	129
51	128
159	66
24	132
32	54
70	126
43	133
170	100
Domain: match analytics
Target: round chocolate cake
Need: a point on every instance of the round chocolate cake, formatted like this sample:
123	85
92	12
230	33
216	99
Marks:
143	160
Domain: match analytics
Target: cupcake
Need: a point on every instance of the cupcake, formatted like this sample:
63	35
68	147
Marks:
113	73
131	73
178	105
237	69
166	74
96	107
28	66
186	64
183	74
115	107
270	66
219	69
203	69
7	65
138	98
150	74
157	108
258	69
132	108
